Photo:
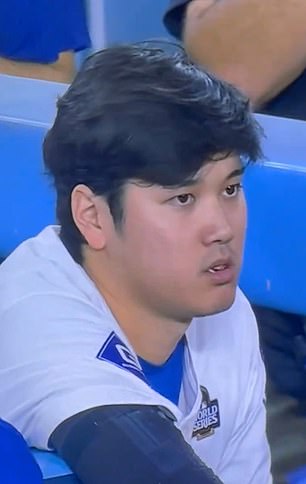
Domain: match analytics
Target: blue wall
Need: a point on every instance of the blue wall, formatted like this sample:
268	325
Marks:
275	255
27	107
134	20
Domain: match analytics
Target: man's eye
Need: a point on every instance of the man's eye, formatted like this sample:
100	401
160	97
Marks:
184	199
233	190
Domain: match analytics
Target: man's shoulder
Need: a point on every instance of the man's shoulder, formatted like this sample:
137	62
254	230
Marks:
31	259
41	271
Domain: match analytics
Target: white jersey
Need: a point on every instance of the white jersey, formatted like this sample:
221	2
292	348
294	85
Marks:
62	352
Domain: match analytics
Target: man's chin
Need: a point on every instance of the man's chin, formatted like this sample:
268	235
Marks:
219	306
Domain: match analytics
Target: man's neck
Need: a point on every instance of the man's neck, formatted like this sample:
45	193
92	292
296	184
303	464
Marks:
152	336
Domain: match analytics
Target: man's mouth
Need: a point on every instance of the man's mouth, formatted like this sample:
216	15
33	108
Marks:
222	271
218	268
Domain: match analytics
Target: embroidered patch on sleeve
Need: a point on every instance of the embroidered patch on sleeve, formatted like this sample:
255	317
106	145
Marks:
116	352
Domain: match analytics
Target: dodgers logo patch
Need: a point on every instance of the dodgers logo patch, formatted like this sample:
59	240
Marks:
116	352
208	418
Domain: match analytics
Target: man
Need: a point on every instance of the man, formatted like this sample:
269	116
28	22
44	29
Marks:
260	47
39	38
133	353
257	46
17	466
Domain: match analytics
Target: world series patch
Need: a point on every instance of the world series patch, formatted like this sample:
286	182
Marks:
208	418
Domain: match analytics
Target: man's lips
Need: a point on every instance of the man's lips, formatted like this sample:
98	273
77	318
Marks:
220	264
221	271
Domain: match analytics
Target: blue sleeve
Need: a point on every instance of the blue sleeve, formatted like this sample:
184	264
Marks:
174	17
38	30
17	465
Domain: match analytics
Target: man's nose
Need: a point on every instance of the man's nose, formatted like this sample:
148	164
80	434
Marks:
216	226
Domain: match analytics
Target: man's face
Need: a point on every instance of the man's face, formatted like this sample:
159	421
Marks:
179	250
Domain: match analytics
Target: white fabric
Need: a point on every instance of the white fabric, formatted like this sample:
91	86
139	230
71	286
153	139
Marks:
53	323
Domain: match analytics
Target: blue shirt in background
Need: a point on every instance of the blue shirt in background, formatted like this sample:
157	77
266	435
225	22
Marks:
39	30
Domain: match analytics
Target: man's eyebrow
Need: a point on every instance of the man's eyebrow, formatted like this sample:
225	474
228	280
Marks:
185	183
190	182
235	173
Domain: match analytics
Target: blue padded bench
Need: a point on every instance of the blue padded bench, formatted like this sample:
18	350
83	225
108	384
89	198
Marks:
275	257
26	111
54	469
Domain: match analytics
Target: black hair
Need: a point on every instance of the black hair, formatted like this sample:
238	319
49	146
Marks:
136	112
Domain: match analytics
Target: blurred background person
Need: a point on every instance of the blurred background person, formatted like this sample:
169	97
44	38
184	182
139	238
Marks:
258	46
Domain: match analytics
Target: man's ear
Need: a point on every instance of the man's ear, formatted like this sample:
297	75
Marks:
90	214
